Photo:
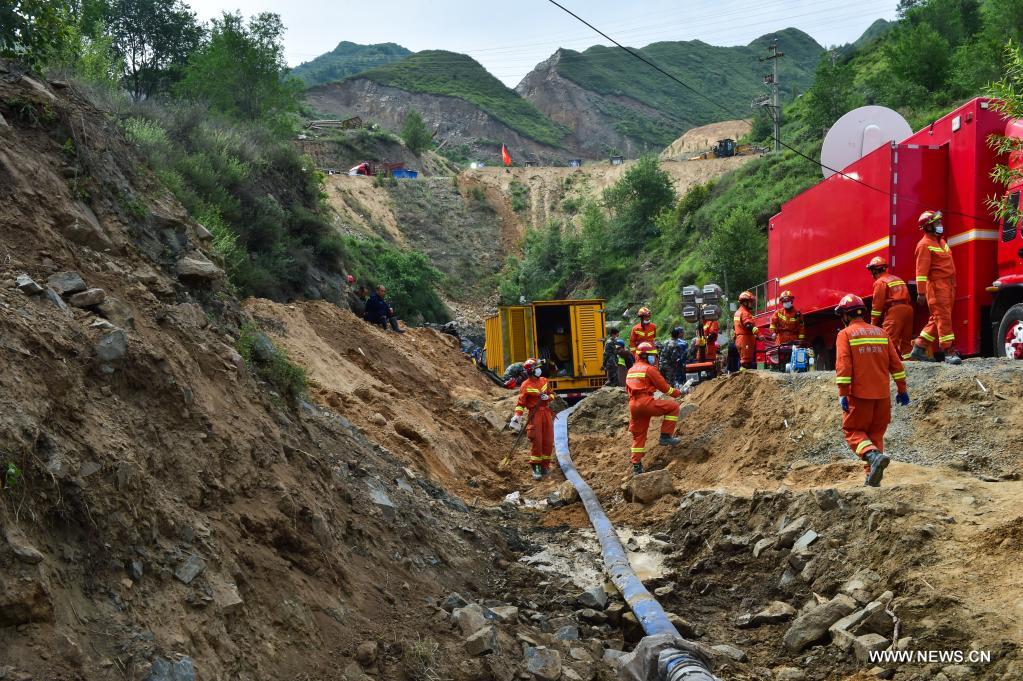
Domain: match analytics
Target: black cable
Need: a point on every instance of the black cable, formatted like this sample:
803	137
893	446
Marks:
733	114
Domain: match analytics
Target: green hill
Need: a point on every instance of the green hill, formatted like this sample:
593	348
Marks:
347	59
439	72
731	73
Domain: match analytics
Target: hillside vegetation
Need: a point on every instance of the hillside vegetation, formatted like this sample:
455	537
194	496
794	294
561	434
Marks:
709	69
439	72
347	59
640	244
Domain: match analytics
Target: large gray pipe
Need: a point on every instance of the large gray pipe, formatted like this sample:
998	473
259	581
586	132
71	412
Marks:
677	665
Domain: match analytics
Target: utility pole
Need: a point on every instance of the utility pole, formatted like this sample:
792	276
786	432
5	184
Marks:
772	80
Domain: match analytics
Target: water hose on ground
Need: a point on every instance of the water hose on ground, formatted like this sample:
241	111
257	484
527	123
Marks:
676	665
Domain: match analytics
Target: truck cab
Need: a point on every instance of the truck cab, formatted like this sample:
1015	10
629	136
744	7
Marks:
1007	289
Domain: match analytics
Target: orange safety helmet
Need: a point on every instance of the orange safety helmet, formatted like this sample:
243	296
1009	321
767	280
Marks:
529	365
850	303
646	348
746	296
928	217
643	312
786	295
877	263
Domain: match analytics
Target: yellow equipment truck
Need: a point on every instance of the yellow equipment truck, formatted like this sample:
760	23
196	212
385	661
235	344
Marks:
567	333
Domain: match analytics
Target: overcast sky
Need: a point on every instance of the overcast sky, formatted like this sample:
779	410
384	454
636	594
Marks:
510	38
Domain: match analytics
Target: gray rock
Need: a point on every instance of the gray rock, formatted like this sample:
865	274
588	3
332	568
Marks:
191	316
202	233
763	545
196	268
611	657
863	646
454	600
788	674
788	578
379	497
958	672
812	626
190	568
875	620
543	663
685	628
164	670
113	346
775	612
592	616
118	312
136	569
482	642
226	596
731	652
648	487
66	283
798	559
787	535
28	285
507	614
57	301
81	225
594	597
39	89
804	541
569	633
22	549
469	619
827	499
665	590
263	349
88	298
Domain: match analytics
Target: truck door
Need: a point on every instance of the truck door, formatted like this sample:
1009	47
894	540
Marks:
1010	246
587	338
517	328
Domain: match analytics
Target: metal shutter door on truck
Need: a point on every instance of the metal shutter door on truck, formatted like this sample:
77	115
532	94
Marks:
518	333
588	335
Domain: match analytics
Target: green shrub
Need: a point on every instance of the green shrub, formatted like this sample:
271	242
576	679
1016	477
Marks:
287	378
519	196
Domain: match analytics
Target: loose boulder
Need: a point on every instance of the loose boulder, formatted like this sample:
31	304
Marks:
648	487
813	626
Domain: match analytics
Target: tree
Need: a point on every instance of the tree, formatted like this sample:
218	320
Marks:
1008	95
241	70
35	30
737	250
636	200
919	55
154	38
414	132
832	94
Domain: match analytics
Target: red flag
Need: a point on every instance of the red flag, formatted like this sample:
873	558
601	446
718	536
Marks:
505	156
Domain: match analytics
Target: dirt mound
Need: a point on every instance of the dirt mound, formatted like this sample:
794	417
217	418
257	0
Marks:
704	137
416	393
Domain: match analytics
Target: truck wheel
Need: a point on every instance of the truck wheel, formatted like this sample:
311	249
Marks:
1012	315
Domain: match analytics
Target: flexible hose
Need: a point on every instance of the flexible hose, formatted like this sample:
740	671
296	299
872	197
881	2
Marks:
679	665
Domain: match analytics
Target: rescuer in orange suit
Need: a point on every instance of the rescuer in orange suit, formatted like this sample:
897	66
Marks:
536	395
707	344
745	332
864	359
788	327
641	382
643	332
935	288
890	307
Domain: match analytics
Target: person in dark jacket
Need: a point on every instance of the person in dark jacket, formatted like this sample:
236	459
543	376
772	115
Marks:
380	312
610	361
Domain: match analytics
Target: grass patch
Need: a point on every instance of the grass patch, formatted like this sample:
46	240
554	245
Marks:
271	364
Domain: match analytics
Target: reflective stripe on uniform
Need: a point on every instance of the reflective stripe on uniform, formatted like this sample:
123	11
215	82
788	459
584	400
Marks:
907	355
843	380
949	337
926	336
899	375
637	450
868	341
671	418
641	374
897	282
919	279
532	390
863	445
875	313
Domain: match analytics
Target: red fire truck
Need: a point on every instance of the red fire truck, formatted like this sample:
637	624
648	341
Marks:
821	241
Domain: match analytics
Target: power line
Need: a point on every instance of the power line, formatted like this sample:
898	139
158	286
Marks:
731	113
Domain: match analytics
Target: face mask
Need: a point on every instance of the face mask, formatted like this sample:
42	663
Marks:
788	305
651	359
940	229
537	371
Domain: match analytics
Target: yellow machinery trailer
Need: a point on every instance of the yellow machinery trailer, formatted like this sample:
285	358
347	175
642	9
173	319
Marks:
569	333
